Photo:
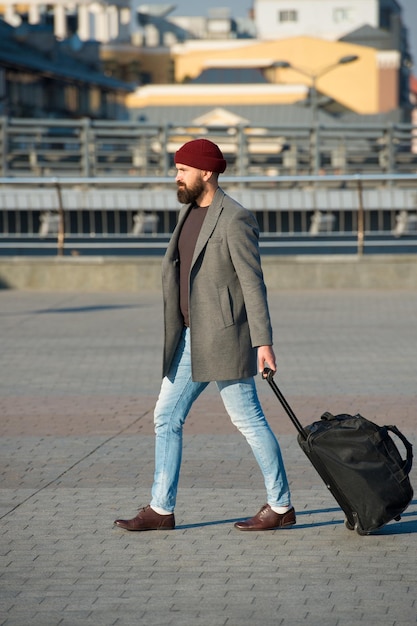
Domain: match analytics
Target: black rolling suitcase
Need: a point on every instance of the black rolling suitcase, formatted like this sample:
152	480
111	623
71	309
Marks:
359	463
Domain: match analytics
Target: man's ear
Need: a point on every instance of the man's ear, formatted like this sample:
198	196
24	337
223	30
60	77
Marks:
207	175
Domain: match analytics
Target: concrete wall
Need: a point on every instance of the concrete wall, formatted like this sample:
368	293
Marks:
98	274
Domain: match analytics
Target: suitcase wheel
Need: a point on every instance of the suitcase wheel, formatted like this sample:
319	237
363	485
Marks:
360	530
358	527
348	525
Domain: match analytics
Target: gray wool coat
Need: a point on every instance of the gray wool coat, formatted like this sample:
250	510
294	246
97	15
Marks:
228	307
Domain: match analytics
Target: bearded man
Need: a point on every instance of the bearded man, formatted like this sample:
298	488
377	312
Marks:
217	328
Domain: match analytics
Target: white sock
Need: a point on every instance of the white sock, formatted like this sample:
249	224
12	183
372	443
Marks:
281	509
160	511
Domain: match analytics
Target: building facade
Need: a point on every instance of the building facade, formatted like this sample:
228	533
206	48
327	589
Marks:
43	77
293	47
326	19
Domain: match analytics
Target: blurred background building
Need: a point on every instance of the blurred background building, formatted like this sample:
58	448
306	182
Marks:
109	89
125	60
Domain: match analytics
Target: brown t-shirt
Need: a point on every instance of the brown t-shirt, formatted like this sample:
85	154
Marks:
186	245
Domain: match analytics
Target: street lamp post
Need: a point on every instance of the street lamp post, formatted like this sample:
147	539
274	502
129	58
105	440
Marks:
314	76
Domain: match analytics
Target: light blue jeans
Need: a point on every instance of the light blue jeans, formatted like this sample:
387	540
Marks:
240	398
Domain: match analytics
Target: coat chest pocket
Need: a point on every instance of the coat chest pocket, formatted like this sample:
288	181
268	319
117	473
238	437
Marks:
215	241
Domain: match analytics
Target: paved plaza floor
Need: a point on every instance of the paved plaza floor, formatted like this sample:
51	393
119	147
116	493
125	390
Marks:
79	376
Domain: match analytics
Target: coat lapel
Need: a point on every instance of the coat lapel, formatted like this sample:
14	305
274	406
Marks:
209	223
172	249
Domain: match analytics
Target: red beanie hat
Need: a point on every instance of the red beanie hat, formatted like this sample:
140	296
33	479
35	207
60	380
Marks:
201	154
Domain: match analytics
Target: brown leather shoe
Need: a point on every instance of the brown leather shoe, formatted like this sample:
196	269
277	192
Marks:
147	519
267	519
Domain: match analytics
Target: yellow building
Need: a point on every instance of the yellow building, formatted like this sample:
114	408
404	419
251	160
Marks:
369	85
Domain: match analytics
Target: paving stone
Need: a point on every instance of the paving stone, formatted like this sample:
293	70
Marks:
79	379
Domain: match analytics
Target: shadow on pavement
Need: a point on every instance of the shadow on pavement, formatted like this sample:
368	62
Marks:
393	528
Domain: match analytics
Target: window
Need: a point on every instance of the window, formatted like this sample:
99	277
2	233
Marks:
71	98
95	100
2	83
342	14
287	16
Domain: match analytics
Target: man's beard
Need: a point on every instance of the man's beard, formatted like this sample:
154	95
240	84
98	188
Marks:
189	195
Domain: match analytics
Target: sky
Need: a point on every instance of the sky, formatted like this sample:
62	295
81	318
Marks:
239	8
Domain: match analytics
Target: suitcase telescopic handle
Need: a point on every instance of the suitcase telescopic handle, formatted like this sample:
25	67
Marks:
268	374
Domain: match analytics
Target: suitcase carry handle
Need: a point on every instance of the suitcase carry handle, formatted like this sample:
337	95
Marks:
268	374
408	463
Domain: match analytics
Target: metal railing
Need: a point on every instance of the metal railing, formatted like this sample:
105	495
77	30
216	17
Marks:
90	148
129	210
